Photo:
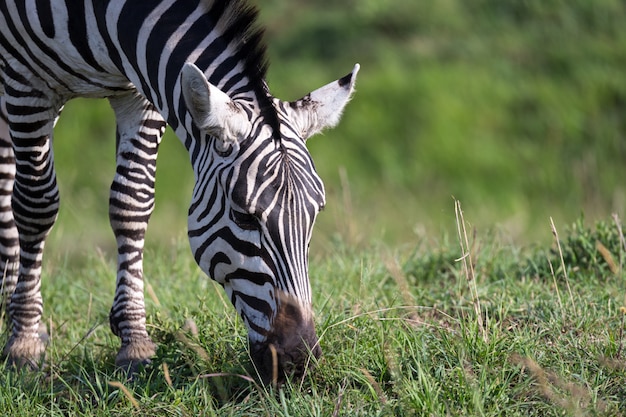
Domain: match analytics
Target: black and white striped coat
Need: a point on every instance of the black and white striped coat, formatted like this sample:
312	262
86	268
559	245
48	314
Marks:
199	66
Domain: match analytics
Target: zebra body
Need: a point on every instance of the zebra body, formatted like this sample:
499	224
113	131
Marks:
199	66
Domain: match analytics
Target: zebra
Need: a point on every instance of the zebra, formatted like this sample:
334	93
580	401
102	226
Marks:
198	66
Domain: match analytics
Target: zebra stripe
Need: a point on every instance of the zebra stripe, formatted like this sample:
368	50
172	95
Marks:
199	66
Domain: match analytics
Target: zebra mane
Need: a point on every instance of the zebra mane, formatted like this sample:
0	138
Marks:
236	20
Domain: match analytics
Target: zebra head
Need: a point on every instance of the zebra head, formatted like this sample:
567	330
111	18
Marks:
255	200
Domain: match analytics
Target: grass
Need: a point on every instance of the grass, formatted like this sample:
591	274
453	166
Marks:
406	331
494	105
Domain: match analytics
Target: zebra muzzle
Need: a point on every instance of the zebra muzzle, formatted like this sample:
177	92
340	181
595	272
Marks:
291	346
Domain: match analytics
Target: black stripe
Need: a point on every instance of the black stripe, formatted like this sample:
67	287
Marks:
256	278
131	17
243	247
217	259
100	12
258	304
179	55
44	12
24	110
224	68
168	23
79	34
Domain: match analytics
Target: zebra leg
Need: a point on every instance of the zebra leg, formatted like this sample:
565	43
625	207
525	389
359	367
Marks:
35	204
9	241
139	131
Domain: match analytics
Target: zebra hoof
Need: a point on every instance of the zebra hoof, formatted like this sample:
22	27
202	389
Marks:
135	356
26	352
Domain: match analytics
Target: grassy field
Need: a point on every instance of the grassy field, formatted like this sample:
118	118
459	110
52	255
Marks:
514	108
470	326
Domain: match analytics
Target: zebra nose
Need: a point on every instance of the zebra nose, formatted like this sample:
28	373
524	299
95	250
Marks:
290	348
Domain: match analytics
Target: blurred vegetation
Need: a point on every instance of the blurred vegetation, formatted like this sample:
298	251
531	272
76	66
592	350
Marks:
516	108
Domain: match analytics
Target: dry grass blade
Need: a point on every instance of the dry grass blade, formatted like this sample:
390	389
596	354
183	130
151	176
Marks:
342	389
468	267
182	337
565	274
223	374
82	339
191	327
166	375
375	385
622	310
608	257
151	293
274	365
574	398
398	275
223	392
89	306
126	391
618	224
556	287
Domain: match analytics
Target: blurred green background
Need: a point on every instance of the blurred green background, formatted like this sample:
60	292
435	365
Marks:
516	108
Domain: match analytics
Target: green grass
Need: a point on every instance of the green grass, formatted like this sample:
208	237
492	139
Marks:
515	108
398	328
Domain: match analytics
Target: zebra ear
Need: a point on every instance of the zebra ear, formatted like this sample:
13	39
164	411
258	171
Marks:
211	109
323	107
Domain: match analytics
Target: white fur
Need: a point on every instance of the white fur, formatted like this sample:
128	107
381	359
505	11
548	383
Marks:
323	107
211	109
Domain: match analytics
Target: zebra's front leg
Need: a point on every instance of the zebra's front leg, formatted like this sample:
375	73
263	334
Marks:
35	205
139	132
9	238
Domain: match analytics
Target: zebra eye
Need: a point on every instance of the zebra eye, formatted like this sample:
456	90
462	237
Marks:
245	221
